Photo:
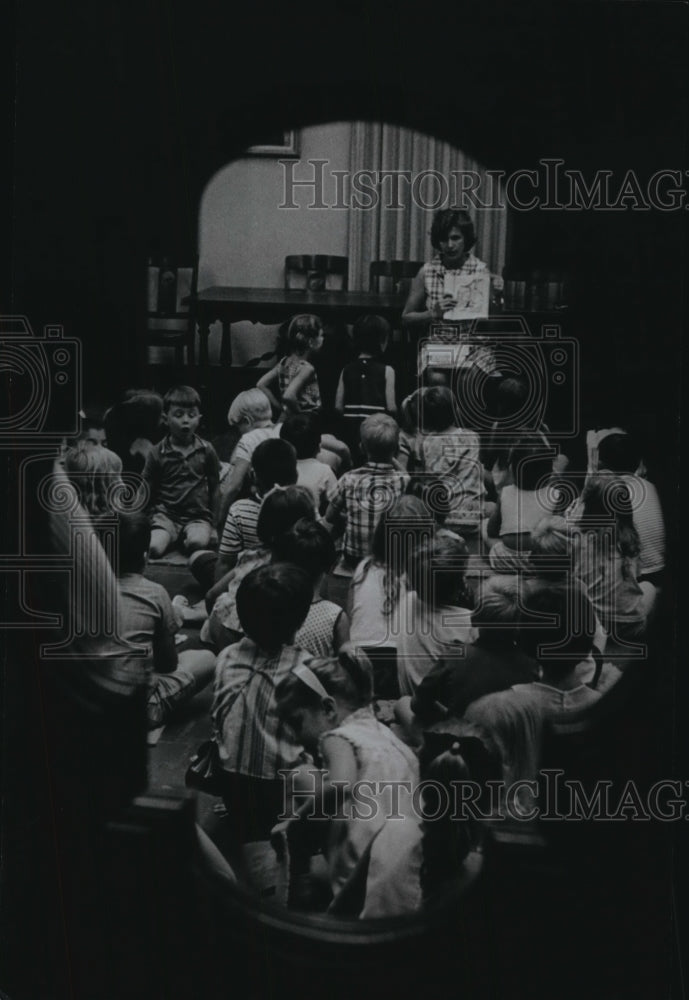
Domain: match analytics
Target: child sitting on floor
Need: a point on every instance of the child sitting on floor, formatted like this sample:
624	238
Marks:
437	610
521	504
273	463
363	494
551	559
619	453
308	545
95	473
182	474
302	431
378	590
251	422
557	627
446	451
492	662
254	742
327	704
606	555
282	508
148	620
292	385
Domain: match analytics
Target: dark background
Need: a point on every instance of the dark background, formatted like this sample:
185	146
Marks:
117	117
121	117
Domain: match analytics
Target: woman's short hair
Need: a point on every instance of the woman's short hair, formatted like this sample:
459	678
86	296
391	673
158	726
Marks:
448	218
249	406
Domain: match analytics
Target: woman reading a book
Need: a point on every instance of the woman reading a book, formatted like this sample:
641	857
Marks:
449	293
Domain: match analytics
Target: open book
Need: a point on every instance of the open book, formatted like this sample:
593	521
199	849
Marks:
472	292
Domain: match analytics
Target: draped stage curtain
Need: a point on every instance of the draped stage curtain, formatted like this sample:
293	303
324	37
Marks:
380	232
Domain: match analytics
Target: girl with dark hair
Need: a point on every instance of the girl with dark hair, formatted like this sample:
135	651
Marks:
374	851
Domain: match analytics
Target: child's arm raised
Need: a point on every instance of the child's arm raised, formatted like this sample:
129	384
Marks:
390	398
290	396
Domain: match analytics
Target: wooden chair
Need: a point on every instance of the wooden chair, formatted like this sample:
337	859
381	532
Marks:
171	292
317	272
397	275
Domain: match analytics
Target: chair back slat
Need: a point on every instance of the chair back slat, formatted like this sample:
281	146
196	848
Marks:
314	271
397	275
171	288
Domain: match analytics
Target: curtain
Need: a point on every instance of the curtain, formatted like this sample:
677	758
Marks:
390	216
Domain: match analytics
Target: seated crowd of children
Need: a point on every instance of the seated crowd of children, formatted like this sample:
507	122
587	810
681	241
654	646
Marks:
366	588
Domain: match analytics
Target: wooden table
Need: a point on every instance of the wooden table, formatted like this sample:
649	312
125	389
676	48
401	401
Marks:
274	305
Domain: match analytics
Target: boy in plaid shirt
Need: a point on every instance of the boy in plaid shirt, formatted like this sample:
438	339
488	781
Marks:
363	494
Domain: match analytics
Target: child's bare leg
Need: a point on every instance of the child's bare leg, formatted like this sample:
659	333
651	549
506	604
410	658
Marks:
161	541
197	535
200	663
